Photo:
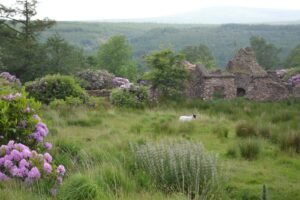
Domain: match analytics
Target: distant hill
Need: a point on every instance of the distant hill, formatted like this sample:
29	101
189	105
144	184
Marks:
225	15
223	40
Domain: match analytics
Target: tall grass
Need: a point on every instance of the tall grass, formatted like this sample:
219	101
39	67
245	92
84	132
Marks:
290	142
79	187
179	167
250	149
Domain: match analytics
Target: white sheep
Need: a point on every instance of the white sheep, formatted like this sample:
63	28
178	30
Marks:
187	118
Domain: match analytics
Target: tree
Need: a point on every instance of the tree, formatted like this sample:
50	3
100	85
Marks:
116	57
1	63
18	37
200	54
293	59
266	53
167	73
61	57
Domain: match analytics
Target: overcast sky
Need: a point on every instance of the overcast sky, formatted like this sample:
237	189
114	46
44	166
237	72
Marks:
128	9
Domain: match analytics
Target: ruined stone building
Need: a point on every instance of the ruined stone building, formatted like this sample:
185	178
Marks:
243	77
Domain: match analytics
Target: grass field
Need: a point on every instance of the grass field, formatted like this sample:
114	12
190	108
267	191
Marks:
94	145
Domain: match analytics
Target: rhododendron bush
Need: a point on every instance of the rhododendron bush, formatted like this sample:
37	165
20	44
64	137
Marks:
18	161
22	139
19	120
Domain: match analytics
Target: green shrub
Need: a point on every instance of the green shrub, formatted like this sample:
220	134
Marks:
179	167
78	187
290	142
53	87
250	149
134	97
244	129
17	116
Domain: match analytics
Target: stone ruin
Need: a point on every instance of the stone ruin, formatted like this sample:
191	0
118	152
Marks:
207	85
243	77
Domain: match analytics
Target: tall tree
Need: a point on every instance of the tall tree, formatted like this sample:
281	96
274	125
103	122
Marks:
18	37
200	54
293	59
61	57
116	57
167	73
267	54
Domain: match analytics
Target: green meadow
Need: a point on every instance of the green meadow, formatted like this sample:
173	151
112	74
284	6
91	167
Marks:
95	146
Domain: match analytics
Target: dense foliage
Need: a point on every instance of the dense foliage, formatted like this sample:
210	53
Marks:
116	57
131	97
61	57
267	54
293	59
19	38
200	54
167	74
18	117
222	40
53	87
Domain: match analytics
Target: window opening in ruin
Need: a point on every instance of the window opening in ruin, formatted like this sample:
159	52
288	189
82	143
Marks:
240	92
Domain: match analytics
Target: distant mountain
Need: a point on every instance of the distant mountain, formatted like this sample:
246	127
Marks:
226	15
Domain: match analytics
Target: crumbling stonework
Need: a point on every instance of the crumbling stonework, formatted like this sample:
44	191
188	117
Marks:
208	85
256	83
244	77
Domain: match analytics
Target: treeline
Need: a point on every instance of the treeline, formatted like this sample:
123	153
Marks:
222	40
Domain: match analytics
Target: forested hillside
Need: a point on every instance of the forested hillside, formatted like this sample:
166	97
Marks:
223	40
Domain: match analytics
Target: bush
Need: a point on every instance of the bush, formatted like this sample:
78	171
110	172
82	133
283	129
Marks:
18	161
19	120
96	79
250	149
134	97
179	167
290	142
245	129
79	187
53	87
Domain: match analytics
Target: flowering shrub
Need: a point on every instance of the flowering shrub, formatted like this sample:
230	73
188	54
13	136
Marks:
96	79
294	80
53	87
19	120
10	78
132	97
18	161
119	82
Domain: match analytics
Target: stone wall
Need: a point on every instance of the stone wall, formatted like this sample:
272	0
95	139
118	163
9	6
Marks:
296	91
220	87
207	85
265	89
